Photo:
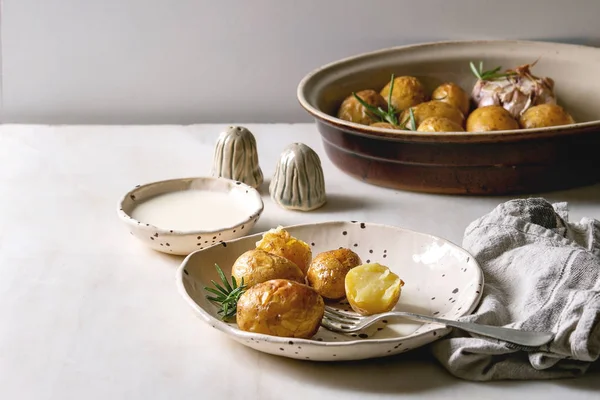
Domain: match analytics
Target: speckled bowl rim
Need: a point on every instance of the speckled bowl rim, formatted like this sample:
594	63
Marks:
403	135
252	192
230	330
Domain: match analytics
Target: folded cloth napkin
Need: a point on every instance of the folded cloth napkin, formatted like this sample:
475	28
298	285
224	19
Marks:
541	272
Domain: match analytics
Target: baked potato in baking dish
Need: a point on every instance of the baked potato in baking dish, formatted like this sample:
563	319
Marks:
490	118
454	95
526	98
439	124
544	115
352	110
281	307
434	108
407	91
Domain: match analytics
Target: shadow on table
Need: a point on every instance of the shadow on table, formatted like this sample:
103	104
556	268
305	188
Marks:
581	195
406	373
337	202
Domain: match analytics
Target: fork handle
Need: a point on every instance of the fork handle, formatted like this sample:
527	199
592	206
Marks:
516	336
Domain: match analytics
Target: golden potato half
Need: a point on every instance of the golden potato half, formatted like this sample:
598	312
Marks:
454	95
281	307
327	272
351	109
257	266
434	108
490	118
545	115
372	289
439	124
278	241
408	91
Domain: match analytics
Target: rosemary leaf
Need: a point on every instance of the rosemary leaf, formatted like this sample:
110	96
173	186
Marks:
222	276
220	288
413	122
474	69
213	291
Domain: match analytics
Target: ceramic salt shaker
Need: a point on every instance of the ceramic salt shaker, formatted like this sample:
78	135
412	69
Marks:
236	157
298	182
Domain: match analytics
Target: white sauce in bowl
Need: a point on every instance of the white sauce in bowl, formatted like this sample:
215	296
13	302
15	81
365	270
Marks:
189	210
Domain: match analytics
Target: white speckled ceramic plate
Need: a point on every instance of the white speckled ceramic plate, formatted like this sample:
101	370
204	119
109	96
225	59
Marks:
440	278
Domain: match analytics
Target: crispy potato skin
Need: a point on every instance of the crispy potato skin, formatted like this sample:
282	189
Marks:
490	118
351	110
408	91
385	125
434	108
545	115
439	124
282	308
257	266
279	242
361	279
454	95
327	272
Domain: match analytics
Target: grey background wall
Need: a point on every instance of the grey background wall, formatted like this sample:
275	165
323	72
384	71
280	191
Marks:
191	61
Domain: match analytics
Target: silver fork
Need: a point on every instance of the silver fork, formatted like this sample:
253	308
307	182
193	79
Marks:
345	322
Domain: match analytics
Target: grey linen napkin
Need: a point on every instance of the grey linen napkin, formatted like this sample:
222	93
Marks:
542	272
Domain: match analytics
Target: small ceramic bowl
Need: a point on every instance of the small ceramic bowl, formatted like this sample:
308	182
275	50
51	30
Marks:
184	242
440	279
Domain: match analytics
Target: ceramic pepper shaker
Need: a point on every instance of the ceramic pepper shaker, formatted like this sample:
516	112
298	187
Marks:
236	157
298	182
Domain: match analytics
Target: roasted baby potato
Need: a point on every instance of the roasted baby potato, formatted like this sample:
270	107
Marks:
281	307
372	289
327	272
544	115
434	108
439	124
278	241
385	125
454	95
490	118
407	92
257	266
351	109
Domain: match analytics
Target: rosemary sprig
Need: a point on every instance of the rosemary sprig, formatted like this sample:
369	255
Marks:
390	115
411	120
226	295
410	123
488	75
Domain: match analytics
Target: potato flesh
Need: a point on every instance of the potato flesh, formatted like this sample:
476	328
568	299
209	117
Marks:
372	289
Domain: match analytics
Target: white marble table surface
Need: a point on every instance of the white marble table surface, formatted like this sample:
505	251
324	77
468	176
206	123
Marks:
87	312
